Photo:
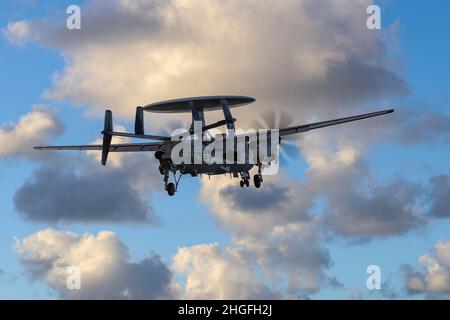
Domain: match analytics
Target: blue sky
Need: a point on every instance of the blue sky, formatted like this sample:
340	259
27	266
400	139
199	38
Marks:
419	53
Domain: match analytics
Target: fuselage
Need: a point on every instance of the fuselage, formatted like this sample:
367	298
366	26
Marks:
203	163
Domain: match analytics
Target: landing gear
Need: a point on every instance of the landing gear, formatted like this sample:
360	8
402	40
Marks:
257	180
245	180
171	189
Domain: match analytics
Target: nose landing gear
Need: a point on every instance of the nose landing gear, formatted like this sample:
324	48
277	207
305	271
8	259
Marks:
171	189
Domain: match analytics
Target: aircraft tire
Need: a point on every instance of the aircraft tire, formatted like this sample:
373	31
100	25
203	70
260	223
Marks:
257	181
170	189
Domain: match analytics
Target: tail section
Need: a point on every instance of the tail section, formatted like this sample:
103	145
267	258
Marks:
108	128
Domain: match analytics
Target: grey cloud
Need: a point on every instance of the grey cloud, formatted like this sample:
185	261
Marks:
149	278
156	274
105	21
270	197
440	196
425	128
295	63
77	190
345	86
304	260
103	261
387	210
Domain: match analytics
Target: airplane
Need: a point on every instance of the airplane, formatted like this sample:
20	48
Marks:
163	146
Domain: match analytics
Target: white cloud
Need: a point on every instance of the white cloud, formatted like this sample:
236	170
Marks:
18	32
72	189
212	273
433	279
291	54
273	229
106	272
35	128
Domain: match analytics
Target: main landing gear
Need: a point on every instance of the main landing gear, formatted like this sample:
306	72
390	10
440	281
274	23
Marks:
257	179
245	181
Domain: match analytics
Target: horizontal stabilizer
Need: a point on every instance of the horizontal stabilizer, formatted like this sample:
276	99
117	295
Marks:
125	147
137	136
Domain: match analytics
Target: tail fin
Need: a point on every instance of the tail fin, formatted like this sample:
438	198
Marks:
107	136
139	123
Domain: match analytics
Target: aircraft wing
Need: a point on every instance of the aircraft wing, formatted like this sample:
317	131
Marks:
317	125
126	147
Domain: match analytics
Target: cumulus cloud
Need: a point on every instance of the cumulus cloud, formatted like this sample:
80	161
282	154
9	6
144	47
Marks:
18	32
356	204
105	267
68	189
433	279
213	273
37	127
387	210
295	54
281	229
282	238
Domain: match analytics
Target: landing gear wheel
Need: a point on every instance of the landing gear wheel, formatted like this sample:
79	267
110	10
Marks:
257	180
247	183
241	183
170	189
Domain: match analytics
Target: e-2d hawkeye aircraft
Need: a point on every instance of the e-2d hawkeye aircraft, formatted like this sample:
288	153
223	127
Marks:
197	106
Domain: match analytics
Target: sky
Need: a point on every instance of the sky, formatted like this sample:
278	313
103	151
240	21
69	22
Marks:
374	192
